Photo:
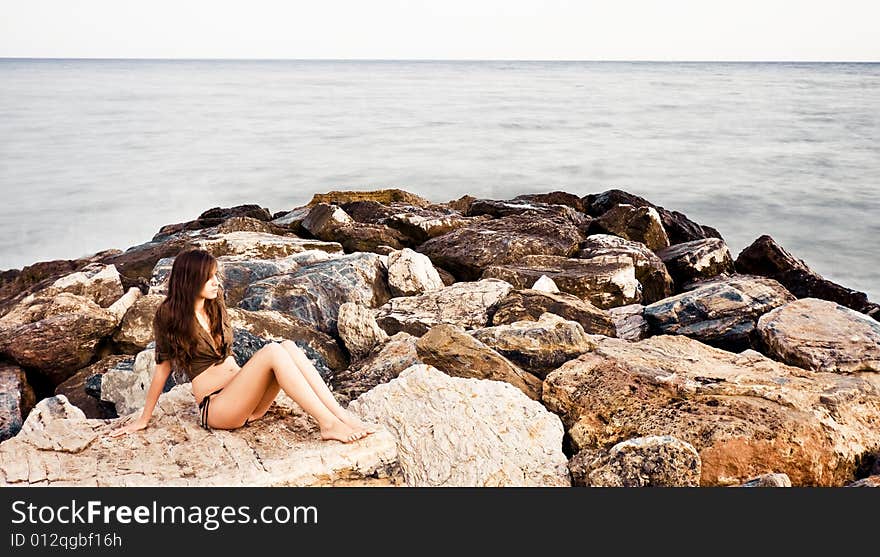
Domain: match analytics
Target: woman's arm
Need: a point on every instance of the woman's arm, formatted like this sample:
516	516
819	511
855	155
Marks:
160	376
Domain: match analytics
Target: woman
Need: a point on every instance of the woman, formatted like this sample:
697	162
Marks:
192	327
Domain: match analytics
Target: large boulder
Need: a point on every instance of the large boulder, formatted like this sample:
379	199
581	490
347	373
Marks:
678	227
500	209
639	224
16	400
465	304
126	387
281	449
276	326
259	245
722	313
331	223
136	330
216	216
604	281
554	198
467	251
467	432
314	293
358	330
697	260
458	354
420	225
767	258
821	335
83	389
59	335
97	282
382	365
650	270
745	414
539	346
410	273
654	461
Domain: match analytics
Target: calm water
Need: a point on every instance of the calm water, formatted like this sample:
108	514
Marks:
98	154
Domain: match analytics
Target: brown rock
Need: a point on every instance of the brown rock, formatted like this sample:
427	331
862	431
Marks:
629	322
454	352
697	259
821	335
639	224
385	197
744	413
650	270
16	400
530	304
767	258
382	365
554	198
136	330
80	387
605	281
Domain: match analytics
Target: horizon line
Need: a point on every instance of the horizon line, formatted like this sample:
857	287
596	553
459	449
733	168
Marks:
682	61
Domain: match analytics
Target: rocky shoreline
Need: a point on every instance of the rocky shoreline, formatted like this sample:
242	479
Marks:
545	340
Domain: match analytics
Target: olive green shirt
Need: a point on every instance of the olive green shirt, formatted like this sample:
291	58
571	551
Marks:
206	353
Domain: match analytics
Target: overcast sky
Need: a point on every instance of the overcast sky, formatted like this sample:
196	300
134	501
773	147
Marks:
845	30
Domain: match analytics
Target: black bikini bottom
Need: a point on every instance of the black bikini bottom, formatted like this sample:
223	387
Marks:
203	410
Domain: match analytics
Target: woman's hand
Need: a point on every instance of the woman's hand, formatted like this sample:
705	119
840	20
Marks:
133	425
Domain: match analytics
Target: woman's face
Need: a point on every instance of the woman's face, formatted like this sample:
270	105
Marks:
211	288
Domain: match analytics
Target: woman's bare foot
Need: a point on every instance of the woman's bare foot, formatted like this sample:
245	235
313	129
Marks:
342	432
350	419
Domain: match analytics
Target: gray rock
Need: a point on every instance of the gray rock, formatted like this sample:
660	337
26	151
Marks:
358	330
382	365
465	304
654	461
721	313
629	322
769	480
411	273
467	432
16	400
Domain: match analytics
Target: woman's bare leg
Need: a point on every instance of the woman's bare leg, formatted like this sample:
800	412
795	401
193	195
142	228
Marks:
320	387
268	398
230	407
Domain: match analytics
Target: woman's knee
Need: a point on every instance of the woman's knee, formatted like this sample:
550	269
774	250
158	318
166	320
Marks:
292	347
274	351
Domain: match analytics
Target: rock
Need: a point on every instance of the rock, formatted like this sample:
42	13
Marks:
554	198
97	282
465	304
237	272
467	251
45	429
639	224
545	284
314	293
467	432
539	346
605	281
422	225
259	245
410	273
678	227
83	389
276	326
500	209
698	259
722	313
458	354
370	212
292	220
59	335
871	481
217	216
137	262
330	223
283	448
17	284
821	335
445	276
382	365
386	197
529	304
462	204
127	388
358	330
16	400
650	270
769	480
767	258
653	461
744	413
136	330
629	322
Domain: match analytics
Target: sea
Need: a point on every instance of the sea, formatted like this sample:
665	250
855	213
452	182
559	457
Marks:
99	154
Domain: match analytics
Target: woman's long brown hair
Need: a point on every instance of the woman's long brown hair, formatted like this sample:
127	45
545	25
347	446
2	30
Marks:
176	314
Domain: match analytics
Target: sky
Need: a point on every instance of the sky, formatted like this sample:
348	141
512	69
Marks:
747	30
